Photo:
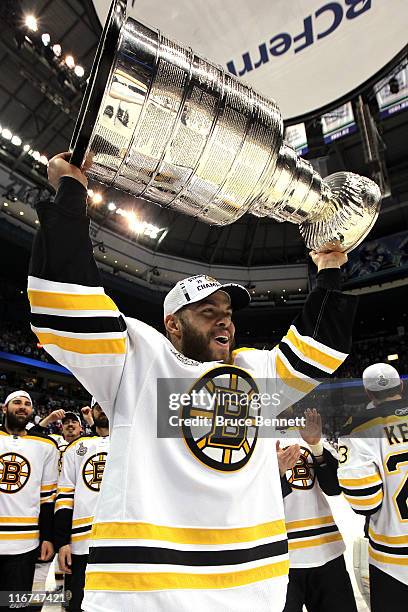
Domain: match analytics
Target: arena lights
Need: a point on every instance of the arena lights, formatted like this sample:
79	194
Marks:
137	226
46	39
112	206
96	198
15	140
393	357
31	23
79	71
57	50
70	62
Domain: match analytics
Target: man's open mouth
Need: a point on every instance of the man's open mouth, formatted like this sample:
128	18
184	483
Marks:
222	340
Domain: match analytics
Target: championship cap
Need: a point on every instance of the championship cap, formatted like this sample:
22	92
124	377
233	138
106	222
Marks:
71	415
15	394
380	376
196	288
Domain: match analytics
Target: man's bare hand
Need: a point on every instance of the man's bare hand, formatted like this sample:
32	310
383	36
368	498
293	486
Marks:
46	551
312	432
64	559
87	414
55	415
288	457
59	166
332	259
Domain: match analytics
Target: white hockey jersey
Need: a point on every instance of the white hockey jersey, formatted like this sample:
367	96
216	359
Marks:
28	480
373	472
314	538
194	521
83	465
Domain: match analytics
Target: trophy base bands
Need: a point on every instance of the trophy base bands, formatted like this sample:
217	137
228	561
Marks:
25	599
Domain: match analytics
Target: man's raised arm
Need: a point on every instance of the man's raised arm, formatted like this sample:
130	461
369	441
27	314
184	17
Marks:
73	318
319	339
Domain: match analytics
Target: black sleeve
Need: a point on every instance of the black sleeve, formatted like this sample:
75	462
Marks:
62	248
285	486
38	430
326	473
46	522
325	324
62	528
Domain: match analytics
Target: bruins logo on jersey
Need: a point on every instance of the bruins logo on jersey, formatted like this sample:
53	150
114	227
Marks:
303	474
92	471
219	422
15	471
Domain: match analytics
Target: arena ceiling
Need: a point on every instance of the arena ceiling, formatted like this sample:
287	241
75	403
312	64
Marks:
37	105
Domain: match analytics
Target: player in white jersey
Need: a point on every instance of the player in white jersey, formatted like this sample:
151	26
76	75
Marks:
373	472
28	481
79	484
191	519
71	430
318	577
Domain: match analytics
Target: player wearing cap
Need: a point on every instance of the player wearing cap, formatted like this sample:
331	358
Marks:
318	578
373	472
79	484
28	481
193	519
71	430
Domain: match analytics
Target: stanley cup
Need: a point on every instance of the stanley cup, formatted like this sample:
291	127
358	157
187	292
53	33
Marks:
162	123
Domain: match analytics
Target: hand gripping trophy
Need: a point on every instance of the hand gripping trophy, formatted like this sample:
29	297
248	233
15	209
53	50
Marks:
164	124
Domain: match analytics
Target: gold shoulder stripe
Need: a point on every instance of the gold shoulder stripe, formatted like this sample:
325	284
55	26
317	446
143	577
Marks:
70	301
290	379
86	347
313	353
381	421
186	535
154	581
41	439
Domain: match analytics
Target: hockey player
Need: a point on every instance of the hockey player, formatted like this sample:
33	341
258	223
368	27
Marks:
28	481
318	577
373	473
80	480
185	521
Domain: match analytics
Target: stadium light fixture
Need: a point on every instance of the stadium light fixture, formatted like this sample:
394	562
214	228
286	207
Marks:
16	140
97	198
46	39
393	357
70	62
31	23
112	206
57	50
79	71
7	135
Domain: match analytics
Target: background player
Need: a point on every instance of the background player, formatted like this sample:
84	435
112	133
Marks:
80	480
373	472
28	481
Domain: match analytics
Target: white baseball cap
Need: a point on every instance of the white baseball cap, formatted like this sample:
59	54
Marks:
380	376
196	288
15	394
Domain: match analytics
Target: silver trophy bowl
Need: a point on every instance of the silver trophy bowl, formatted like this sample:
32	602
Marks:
162	123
